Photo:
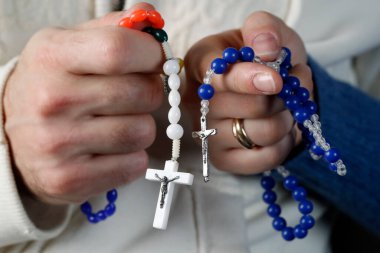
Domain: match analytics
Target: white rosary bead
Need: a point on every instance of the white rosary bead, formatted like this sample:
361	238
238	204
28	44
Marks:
174	115
174	131
174	82
174	98
171	67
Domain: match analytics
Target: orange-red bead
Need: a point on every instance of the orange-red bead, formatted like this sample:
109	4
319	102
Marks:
126	22
138	16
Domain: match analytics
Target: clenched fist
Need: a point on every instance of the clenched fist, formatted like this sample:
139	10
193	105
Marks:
77	108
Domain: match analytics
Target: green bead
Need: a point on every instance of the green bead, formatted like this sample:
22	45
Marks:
160	35
149	30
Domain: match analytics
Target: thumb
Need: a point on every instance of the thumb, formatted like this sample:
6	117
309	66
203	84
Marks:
114	18
267	34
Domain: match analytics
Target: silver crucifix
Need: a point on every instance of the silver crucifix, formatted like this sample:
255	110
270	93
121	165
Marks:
203	135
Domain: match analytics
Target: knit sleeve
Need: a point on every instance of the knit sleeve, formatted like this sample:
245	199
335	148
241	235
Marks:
351	122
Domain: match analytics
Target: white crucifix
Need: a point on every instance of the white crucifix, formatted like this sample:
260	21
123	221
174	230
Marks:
168	178
203	135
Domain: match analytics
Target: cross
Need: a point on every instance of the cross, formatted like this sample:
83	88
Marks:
168	178
203	135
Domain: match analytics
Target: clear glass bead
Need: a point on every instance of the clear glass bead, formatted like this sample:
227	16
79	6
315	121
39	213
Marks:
205	103
314	117
204	110
307	123
317	124
325	146
341	170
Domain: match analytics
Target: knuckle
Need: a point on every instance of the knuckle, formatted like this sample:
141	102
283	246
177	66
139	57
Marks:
137	136
49	102
50	141
111	46
43	48
261	16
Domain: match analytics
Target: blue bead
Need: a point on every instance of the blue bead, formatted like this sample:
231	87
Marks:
300	232
205	92
269	197
302	93
307	221
231	55
299	193
310	106
286	91
112	196
284	73
92	218
86	208
288	57
332	155
219	66
267	182
288	233
292	103
110	209
279	223
101	215
246	54
274	210
333	167
301	114
290	183
305	207
317	149
293	81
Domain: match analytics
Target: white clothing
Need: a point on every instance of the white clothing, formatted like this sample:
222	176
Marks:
225	215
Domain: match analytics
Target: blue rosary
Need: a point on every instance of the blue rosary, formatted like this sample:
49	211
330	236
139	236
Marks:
296	99
304	111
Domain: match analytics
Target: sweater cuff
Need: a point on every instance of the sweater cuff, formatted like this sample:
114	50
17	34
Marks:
21	217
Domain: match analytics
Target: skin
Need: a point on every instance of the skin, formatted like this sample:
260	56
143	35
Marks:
91	121
249	91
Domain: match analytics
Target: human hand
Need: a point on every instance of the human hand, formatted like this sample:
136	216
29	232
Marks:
77	108
247	91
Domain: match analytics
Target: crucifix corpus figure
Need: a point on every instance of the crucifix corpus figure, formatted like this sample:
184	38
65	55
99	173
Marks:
168	177
203	135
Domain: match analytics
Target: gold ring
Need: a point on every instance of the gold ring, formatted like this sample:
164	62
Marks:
240	134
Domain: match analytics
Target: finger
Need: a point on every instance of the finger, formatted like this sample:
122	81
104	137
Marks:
96	136
244	161
262	132
110	50
249	107
93	175
117	135
114	18
120	95
249	78
266	34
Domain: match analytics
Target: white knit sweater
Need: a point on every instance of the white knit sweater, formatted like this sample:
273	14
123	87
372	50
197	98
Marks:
225	215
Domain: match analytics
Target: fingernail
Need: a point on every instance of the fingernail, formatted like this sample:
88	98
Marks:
264	83
266	45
